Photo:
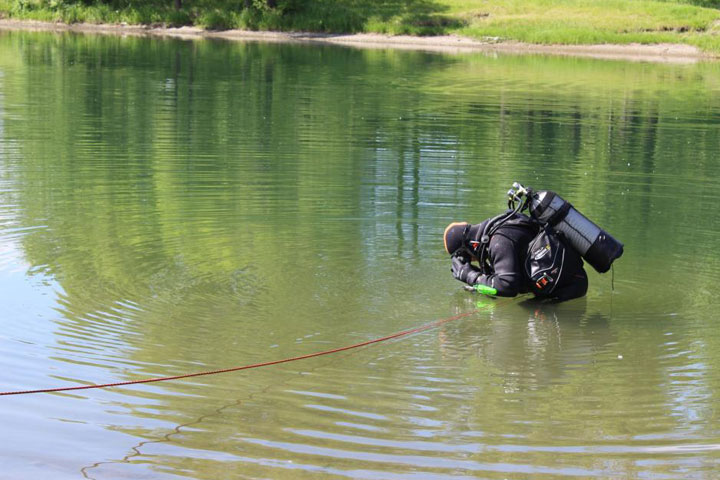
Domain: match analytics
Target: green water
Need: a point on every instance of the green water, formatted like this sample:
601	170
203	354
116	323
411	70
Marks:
169	207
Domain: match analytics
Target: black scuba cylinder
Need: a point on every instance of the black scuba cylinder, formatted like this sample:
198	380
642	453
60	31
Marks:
594	244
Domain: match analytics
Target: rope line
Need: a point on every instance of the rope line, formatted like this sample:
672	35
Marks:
403	333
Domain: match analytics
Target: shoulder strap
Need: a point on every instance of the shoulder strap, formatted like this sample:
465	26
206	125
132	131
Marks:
483	235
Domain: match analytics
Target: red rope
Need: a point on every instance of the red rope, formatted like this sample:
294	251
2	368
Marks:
246	367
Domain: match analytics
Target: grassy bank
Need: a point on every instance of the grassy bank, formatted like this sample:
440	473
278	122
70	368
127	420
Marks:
693	22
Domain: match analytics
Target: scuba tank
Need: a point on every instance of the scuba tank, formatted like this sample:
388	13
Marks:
594	244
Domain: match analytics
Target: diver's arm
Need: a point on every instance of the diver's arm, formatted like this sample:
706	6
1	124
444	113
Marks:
507	276
463	270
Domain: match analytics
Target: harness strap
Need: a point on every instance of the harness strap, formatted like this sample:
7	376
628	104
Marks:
482	238
481	242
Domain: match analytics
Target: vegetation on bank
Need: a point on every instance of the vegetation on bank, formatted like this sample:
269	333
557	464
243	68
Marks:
694	22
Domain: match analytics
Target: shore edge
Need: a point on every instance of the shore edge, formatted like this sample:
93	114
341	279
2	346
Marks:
661	53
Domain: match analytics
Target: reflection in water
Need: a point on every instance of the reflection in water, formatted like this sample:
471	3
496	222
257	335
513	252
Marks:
168	207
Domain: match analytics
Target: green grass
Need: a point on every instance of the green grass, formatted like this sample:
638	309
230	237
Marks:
586	22
694	22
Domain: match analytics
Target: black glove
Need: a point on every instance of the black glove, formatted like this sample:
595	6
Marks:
463	270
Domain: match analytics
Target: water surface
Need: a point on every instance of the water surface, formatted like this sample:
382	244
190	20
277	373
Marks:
169	207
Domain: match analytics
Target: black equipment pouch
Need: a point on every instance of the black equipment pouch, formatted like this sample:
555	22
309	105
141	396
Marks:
545	261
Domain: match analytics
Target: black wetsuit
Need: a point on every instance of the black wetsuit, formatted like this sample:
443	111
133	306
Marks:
506	256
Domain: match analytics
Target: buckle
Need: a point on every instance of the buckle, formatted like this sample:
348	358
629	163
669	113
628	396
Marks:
543	281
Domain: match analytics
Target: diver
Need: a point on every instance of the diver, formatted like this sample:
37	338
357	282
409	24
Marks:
541	252
504	274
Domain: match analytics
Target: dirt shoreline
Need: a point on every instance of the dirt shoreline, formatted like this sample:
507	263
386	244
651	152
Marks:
662	53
